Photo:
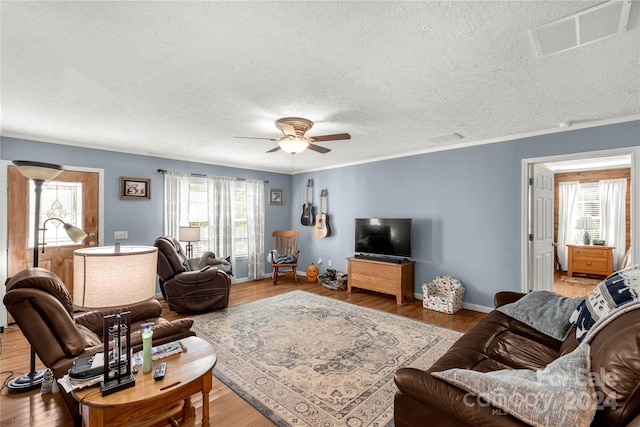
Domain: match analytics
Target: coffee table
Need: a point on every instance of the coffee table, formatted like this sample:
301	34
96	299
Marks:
149	401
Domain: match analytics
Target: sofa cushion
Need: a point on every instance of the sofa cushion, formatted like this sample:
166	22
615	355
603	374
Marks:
617	290
562	394
615	362
544	311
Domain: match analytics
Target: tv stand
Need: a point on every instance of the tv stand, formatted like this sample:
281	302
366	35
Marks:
381	258
382	276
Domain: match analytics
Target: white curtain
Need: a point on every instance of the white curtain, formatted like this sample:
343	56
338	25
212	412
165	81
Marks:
566	219
176	202
221	205
255	226
612	216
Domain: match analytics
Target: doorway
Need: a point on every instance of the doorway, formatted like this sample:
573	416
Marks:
536	278
87	184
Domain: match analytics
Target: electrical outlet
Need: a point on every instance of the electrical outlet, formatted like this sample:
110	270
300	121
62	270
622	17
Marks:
120	235
319	261
329	263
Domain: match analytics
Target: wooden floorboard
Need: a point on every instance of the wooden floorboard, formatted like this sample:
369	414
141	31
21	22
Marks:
227	409
571	290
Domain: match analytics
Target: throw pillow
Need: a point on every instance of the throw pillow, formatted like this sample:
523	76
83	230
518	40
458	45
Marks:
617	290
560	395
544	311
276	255
228	259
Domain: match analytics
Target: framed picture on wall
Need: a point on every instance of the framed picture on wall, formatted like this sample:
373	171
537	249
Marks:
135	188
276	196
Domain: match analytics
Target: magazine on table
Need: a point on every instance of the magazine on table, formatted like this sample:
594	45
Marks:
161	351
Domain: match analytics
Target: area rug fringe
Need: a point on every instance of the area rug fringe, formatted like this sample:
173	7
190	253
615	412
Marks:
307	360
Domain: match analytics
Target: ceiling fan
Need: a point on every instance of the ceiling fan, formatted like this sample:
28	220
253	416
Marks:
294	139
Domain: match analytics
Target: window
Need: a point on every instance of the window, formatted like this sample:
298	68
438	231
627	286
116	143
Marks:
61	200
588	205
198	214
241	243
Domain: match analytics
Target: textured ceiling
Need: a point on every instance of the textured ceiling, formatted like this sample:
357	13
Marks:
181	79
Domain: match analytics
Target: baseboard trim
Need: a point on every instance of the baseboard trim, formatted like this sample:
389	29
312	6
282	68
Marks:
476	307
465	305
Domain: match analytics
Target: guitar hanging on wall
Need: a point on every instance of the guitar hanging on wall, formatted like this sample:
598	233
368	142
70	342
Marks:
322	228
308	214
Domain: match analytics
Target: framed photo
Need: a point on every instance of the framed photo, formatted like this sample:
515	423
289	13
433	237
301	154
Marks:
276	196
135	188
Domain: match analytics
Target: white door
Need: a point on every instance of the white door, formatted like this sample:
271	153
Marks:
541	237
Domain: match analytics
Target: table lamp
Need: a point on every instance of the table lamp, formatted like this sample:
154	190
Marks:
106	278
39	172
586	223
189	234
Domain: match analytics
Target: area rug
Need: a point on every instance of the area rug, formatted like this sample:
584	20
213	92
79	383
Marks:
307	360
580	280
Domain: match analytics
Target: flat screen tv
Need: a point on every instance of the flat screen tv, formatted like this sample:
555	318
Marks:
383	236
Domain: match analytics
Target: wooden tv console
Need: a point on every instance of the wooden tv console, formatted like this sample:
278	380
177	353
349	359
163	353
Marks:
379	276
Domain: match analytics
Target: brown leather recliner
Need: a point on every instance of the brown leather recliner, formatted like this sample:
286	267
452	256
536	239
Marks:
42	307
500	342
191	285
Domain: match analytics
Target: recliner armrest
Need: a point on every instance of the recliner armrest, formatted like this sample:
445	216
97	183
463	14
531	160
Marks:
506	297
197	276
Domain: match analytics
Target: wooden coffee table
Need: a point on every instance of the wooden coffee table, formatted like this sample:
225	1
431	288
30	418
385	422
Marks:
150	402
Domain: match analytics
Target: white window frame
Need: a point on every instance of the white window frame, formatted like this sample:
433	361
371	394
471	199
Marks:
588	205
241	238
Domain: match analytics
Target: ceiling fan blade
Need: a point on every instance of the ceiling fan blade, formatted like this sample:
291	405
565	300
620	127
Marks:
334	137
253	137
286	128
319	149
276	148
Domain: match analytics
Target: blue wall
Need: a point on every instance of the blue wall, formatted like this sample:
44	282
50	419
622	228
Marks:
465	203
144	219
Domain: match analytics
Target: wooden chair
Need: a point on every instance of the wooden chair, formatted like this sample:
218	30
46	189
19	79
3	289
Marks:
285	243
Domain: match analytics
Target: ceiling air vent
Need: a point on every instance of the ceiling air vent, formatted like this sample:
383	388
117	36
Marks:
588	26
443	139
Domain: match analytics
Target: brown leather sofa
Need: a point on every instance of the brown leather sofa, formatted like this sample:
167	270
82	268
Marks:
191	285
501	342
42	307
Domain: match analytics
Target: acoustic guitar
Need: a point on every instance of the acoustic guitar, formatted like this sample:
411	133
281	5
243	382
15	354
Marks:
322	228
308	212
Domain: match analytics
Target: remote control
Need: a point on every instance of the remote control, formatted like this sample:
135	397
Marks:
161	368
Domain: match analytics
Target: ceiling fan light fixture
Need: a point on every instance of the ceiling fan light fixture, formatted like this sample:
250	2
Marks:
293	145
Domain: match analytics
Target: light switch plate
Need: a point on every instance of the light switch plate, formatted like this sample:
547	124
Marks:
120	235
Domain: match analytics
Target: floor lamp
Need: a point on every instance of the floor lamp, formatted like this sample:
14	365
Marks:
39	173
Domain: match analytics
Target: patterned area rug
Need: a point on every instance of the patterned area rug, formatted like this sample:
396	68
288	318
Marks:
307	360
580	280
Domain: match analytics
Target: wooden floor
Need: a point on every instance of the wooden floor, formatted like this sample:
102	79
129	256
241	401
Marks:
227	408
571	290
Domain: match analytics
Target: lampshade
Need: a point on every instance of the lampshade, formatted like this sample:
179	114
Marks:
293	144
76	234
105	278
189	234
586	223
38	170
